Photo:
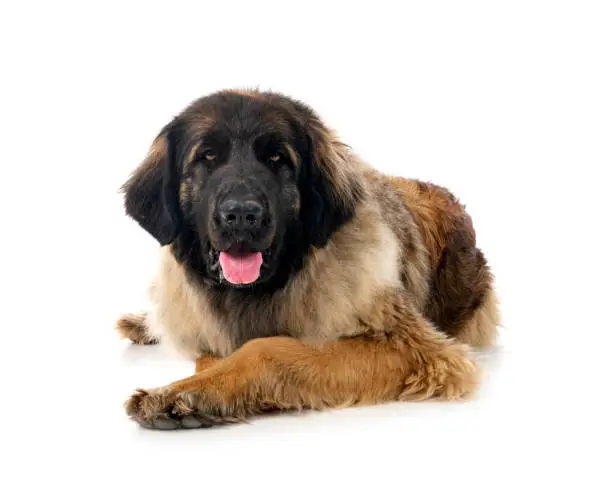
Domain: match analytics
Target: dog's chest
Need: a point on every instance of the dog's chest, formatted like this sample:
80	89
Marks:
184	319
188	323
184	316
330	298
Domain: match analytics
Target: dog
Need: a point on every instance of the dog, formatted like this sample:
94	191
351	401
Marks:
294	275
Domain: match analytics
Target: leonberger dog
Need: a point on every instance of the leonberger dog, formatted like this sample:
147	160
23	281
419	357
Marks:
295	275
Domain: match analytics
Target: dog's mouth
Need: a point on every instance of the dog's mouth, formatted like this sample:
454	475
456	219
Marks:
239	265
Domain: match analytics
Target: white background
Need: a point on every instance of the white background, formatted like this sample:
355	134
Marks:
508	104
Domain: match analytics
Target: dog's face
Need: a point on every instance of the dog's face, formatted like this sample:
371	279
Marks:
235	183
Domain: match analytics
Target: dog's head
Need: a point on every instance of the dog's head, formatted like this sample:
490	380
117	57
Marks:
243	184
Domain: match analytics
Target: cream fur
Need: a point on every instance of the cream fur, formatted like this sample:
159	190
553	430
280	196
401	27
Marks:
329	298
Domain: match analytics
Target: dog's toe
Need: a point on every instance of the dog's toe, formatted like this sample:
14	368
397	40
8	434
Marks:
165	424
190	421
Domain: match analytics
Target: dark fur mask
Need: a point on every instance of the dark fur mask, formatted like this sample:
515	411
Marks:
254	150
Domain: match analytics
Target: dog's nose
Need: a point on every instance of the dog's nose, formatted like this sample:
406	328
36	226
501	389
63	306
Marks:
241	214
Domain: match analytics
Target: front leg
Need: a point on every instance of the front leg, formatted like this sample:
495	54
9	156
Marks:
410	361
206	361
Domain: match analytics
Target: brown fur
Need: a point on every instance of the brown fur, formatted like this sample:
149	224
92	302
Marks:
384	311
437	212
460	280
412	347
412	362
206	361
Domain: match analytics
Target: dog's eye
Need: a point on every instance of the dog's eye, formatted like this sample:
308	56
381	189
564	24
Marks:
209	155
275	157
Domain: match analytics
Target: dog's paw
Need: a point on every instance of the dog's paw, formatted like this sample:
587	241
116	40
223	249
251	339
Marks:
451	375
163	409
133	327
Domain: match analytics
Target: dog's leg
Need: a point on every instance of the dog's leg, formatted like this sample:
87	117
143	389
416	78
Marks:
206	361
133	327
410	361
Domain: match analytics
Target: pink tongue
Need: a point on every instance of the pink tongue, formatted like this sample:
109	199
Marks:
243	269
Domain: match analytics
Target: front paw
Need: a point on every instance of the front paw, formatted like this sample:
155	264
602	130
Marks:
449	375
164	409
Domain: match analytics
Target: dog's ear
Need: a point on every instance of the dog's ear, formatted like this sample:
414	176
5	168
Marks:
151	194
329	182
